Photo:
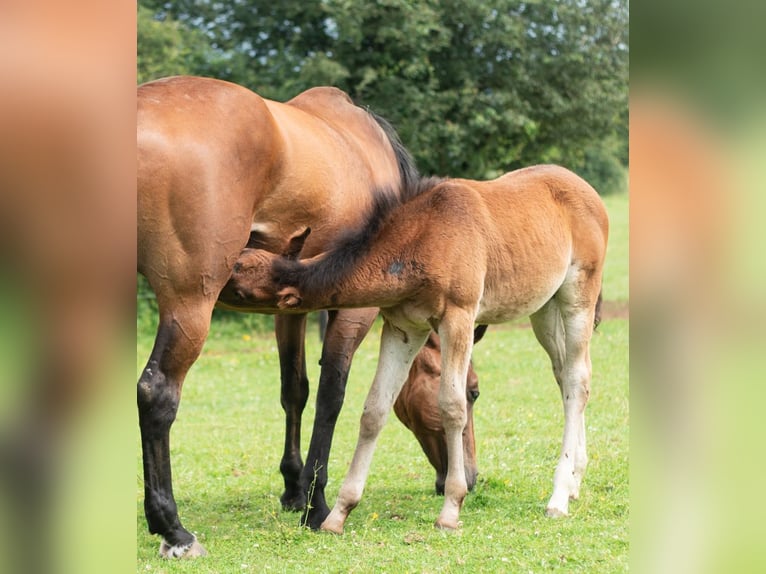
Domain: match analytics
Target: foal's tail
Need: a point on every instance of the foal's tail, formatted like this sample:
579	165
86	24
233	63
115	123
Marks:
597	315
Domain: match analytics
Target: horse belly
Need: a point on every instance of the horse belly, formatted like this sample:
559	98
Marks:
512	300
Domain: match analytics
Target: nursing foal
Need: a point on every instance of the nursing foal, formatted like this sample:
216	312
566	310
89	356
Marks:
459	253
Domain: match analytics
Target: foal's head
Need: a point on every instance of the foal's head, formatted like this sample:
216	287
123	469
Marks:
257	279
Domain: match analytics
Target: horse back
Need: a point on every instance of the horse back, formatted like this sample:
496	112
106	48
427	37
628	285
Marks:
539	224
569	198
335	158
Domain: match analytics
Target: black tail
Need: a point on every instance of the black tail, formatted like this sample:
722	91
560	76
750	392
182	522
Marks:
597	315
478	333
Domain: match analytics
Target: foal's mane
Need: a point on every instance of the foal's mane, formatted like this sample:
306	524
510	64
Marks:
346	252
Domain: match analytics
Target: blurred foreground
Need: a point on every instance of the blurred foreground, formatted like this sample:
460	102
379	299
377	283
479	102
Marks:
697	142
67	276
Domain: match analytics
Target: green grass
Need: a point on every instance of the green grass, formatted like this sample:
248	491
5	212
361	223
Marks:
226	446
616	266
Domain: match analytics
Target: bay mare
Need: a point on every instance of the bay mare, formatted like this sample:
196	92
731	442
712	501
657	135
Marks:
219	168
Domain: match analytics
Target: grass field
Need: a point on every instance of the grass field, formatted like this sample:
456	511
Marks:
227	440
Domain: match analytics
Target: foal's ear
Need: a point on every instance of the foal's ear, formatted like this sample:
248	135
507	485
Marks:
295	245
288	298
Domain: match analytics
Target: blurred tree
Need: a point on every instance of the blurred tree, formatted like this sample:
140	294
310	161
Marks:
166	47
474	87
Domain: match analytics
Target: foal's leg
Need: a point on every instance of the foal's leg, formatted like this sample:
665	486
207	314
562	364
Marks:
290	333
345	330
548	327
565	332
397	351
456	334
180	336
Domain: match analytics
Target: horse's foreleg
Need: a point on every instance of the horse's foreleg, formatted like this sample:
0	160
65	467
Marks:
180	337
290	333
345	331
575	392
456	334
397	351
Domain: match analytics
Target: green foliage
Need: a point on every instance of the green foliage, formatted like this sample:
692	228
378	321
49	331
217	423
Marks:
475	87
146	308
602	168
616	276
167	48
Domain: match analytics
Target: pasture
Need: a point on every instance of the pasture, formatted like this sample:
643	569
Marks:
227	442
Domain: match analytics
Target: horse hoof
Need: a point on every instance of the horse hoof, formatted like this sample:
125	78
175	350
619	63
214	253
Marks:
314	518
552	512
447	525
293	501
193	550
332	525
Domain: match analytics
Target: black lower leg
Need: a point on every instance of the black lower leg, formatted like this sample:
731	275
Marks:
290	333
157	406
345	331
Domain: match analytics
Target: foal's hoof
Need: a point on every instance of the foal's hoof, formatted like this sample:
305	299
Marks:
193	550
332	524
448	525
552	512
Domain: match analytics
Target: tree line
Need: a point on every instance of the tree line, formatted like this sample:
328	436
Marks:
475	88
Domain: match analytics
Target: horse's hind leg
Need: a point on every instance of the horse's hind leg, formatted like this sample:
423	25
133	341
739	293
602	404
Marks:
290	333
564	330
180	336
345	331
548	327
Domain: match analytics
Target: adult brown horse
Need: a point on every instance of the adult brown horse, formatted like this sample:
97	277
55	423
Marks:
220	168
461	252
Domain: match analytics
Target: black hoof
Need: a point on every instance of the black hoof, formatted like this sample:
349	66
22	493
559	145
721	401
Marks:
314	517
293	501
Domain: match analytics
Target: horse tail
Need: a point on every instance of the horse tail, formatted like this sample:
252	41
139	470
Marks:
597	314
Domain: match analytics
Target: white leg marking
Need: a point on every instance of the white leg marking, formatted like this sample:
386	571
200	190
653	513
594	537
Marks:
192	550
575	391
397	351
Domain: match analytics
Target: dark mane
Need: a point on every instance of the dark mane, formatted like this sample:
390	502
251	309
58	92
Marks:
349	248
408	172
346	250
357	242
423	185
